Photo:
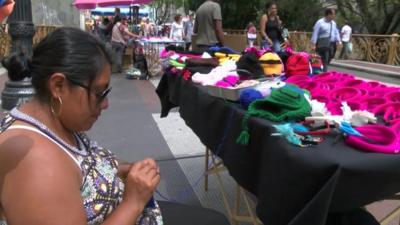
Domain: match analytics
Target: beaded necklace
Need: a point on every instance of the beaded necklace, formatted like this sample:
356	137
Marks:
80	150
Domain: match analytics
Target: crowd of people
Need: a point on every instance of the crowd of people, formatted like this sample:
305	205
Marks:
120	33
325	39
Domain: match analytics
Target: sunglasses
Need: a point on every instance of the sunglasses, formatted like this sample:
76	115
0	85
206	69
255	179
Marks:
100	96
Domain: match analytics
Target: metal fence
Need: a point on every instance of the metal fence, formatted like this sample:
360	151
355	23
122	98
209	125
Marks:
383	49
372	48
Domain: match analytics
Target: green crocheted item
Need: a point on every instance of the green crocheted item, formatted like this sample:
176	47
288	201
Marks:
175	63
286	104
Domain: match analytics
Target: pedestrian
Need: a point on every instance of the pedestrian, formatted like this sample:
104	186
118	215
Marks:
188	30
251	32
177	33
270	26
120	38
325	37
117	15
346	34
147	32
103	31
208	25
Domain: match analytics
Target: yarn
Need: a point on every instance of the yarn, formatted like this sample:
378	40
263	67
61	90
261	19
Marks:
248	96
393	96
375	138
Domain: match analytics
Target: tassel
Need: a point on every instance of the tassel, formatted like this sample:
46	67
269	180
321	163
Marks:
243	138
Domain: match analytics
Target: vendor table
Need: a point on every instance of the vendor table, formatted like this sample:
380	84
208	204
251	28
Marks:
297	186
152	50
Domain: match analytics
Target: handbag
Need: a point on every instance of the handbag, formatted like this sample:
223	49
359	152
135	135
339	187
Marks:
350	47
325	43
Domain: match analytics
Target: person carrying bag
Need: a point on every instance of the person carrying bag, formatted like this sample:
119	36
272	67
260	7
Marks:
324	43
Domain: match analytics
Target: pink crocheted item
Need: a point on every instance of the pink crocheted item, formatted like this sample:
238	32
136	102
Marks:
393	96
335	107
295	79
355	84
371	103
228	81
345	93
376	138
390	111
258	52
379	91
165	54
321	98
395	124
375	84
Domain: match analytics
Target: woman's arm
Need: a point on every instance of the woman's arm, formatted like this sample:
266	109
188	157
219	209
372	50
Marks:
263	24
41	186
36	178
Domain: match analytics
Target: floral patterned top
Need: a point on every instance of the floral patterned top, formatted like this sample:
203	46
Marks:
102	190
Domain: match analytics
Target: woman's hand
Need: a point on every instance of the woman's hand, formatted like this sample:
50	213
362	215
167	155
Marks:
141	182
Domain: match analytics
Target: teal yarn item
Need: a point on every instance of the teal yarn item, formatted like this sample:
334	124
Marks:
248	96
287	131
297	127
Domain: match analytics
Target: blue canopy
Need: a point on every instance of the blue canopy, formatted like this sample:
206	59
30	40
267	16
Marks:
110	12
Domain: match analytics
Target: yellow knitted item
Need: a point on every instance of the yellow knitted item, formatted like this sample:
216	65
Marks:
222	57
271	64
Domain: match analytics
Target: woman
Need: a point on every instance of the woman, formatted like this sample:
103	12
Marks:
50	172
48	166
177	33
270	26
251	34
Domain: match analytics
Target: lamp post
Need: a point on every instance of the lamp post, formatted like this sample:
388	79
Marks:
21	29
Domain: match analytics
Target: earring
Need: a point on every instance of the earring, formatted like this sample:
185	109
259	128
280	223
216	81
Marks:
59	109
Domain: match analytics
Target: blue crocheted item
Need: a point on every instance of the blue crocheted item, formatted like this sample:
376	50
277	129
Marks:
248	96
222	49
347	129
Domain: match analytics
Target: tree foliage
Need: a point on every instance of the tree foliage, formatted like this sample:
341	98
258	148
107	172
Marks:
372	16
369	16
297	15
164	8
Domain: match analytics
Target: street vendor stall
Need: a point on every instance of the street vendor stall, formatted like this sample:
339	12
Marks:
315	176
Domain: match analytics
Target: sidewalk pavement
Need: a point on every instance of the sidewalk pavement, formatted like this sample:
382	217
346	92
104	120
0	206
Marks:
368	67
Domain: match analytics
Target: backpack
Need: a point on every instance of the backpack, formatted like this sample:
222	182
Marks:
271	64
298	64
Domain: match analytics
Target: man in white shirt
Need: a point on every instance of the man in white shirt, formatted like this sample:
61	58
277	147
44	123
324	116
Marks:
346	40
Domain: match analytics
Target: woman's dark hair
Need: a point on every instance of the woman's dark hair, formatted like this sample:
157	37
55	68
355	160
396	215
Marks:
329	11
78	55
177	17
269	4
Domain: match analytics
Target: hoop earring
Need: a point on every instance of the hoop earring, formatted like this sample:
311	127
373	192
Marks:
52	108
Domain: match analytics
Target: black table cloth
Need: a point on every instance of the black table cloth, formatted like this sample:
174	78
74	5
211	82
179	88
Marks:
293	185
